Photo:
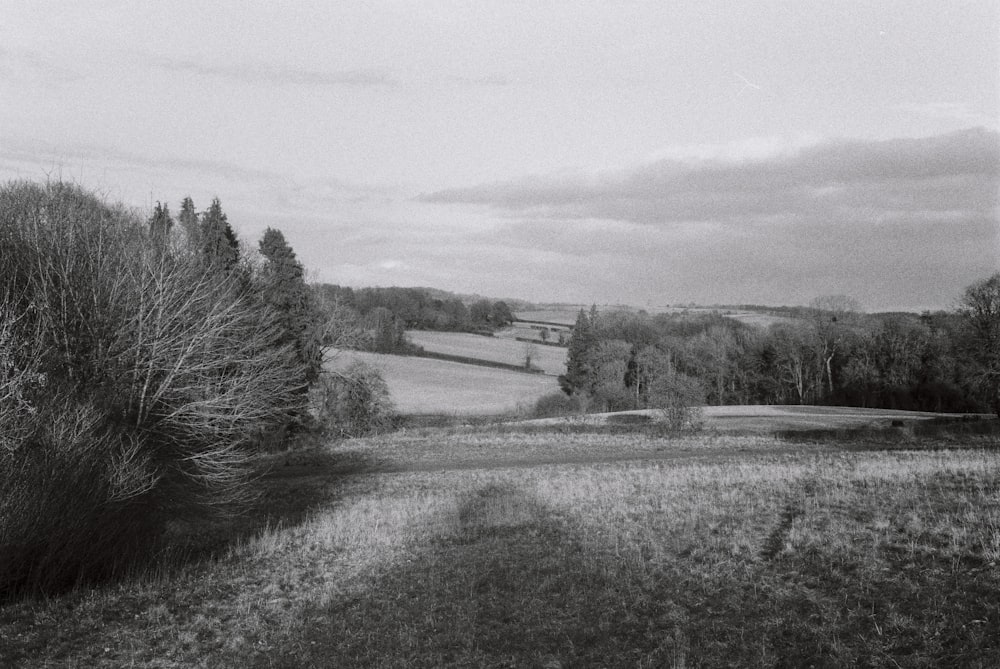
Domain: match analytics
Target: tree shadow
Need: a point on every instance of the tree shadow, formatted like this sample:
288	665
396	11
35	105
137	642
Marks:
287	488
511	585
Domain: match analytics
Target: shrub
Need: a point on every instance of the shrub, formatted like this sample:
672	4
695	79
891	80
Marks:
353	403
678	398
613	398
557	404
140	376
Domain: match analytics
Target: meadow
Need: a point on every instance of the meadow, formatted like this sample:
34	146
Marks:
571	546
550	359
428	386
562	316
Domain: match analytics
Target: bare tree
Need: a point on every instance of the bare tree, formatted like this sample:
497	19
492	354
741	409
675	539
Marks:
142	374
981	309
831	332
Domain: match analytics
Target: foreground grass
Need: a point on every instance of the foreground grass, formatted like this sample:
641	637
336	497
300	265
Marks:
772	556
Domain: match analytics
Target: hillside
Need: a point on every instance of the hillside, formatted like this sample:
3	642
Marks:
427	386
550	359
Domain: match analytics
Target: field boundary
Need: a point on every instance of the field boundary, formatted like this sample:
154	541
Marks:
540	342
477	361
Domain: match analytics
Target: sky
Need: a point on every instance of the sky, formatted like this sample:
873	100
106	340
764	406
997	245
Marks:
643	153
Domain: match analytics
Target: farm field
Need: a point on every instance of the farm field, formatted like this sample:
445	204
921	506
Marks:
459	547
550	359
565	316
428	386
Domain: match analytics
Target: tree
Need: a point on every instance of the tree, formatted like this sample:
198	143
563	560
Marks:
160	223
354	402
218	241
579	366
610	361
386	333
134	384
980	308
480	312
885	363
530	351
713	359
188	219
793	353
678	397
500	314
830	333
284	289
837	304
648	364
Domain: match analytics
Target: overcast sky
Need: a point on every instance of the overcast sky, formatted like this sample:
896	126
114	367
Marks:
610	152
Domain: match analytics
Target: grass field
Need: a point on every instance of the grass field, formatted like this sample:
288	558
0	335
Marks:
565	316
514	546
427	386
550	359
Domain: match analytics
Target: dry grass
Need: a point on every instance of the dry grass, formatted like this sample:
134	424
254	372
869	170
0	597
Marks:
550	359
774	419
760	553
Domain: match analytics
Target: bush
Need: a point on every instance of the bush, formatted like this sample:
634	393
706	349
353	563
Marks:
138	377
353	403
557	404
678	398
613	398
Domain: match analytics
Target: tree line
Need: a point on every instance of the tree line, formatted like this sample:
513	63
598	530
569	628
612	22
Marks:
379	317
831	353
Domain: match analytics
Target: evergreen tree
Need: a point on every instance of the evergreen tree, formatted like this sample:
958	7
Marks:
218	241
188	219
579	364
286	292
160	222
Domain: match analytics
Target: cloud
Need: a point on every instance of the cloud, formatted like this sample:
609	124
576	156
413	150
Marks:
261	73
256	195
958	171
952	111
24	66
496	80
903	223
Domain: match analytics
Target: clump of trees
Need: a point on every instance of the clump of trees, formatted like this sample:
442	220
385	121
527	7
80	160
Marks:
141	363
828	353
619	361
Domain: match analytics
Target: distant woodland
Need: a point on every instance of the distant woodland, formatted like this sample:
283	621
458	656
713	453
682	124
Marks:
375	319
829	353
826	354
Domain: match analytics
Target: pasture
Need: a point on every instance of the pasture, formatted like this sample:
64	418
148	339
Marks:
550	359
561	316
529	546
428	386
